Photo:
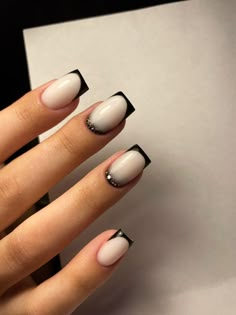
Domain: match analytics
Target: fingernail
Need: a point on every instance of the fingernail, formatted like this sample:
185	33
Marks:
110	113
64	90
117	245
127	166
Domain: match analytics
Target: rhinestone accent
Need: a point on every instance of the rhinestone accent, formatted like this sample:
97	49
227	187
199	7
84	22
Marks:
92	127
111	180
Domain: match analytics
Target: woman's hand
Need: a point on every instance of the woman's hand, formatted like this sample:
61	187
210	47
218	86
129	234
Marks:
27	178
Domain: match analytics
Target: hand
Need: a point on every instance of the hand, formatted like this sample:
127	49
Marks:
27	178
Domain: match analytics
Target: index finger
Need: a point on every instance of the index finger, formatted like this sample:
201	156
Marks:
38	111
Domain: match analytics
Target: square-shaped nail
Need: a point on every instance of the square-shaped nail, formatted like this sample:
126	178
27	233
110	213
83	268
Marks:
64	90
113	249
127	166
110	113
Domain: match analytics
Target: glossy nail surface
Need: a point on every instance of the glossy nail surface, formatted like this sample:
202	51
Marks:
127	166
64	90
114	248
110	113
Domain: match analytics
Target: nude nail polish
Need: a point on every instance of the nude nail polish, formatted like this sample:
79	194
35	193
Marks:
64	90
115	248
126	167
110	113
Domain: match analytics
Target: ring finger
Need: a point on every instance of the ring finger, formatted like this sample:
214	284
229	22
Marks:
47	232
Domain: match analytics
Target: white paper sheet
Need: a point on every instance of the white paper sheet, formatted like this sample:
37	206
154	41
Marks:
176	63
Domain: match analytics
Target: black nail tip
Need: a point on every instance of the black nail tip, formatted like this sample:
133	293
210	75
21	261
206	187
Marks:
120	233
84	87
136	147
130	107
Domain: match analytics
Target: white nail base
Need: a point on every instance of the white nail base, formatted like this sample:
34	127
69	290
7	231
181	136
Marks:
112	251
125	168
107	115
62	92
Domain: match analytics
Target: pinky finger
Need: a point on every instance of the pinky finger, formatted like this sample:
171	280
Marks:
64	292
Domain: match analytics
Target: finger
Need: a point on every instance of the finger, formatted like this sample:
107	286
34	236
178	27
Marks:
15	299
46	233
95	263
37	111
50	161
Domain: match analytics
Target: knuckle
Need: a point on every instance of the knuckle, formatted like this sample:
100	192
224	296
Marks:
17	253
84	286
24	113
90	201
66	139
67	143
10	189
93	192
34	309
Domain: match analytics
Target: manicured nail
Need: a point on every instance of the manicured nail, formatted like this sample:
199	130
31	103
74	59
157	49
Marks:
117	245
110	113
64	90
127	166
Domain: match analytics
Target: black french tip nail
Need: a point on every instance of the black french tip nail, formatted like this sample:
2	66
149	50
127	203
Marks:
84	87
130	108
136	147
120	233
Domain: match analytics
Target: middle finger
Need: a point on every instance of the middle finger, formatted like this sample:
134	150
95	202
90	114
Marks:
26	179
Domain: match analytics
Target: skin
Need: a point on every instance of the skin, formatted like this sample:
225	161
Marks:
24	250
